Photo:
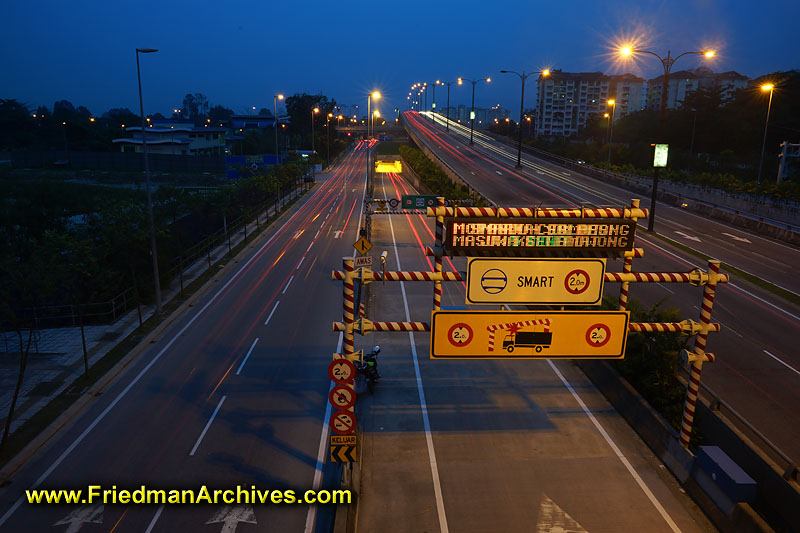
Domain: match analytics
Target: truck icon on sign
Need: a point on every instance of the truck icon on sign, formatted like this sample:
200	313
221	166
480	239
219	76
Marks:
528	339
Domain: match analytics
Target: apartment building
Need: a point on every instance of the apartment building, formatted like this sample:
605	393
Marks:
685	81
566	100
627	91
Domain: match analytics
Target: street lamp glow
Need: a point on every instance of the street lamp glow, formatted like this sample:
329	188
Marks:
316	110
709	53
546	72
626	50
605	115
376	95
280	97
488	80
611	102
767	87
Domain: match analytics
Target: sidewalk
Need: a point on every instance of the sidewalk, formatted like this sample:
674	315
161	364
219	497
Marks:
56	355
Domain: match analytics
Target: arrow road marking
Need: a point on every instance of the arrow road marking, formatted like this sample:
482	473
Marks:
89	514
230	517
740	239
553	518
337	234
685	236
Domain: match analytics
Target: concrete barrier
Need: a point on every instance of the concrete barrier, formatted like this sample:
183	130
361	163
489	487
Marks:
776	499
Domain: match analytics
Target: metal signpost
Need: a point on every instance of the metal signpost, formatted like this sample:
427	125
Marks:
512	253
535	281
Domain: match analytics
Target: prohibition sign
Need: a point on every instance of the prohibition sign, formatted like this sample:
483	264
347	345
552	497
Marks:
460	335
598	335
341	370
343	422
394	202
342	397
576	281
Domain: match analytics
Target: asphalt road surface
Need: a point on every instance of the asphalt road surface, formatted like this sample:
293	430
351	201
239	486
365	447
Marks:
234	392
757	371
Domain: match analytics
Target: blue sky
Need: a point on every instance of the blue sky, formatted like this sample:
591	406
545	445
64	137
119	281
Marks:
241	53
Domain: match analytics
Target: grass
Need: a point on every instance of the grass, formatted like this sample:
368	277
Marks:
755	280
389	147
30	429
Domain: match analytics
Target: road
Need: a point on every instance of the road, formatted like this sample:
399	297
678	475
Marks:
757	371
233	392
492	445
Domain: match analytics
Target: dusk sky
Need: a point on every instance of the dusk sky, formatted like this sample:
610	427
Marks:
241	53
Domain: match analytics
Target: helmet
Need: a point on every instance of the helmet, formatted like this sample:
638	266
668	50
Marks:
376	349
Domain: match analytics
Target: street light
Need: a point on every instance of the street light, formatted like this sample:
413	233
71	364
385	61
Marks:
147	182
472	112
313	149
328	126
613	105
766	87
667	63
376	95
523	76
275	99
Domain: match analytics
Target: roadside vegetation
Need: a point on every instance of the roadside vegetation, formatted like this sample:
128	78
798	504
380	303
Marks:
434	178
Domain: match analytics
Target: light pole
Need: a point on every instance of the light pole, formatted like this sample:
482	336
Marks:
613	105
328	126
275	99
376	95
472	112
766	87
523	77
313	149
667	63
147	182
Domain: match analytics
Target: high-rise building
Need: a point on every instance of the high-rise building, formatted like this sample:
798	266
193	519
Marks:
567	101
685	81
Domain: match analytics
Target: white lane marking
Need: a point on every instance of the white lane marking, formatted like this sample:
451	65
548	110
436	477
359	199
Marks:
309	246
738	287
155	518
286	287
639	481
322	452
141	373
665	288
793	369
300	263
208	425
437	486
737	238
271	312
317	235
687	236
246	357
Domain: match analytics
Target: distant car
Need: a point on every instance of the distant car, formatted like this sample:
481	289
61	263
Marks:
580	161
308	178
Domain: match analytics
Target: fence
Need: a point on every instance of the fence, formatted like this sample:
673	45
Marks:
117	161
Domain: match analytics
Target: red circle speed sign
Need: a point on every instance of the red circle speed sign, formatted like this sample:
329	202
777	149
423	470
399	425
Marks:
460	335
341	371
577	281
598	335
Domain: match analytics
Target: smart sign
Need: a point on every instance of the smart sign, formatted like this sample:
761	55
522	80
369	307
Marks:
534	281
530	237
529	334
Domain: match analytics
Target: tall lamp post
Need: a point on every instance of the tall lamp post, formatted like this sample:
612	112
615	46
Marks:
328	126
613	105
667	62
313	148
147	182
448	83
275	99
523	77
766	87
472	112
376	95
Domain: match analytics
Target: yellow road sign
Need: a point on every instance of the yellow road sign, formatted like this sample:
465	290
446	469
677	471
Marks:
362	245
343	448
534	281
529	334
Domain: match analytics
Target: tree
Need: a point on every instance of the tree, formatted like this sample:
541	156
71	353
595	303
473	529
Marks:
220	113
195	105
16	125
299	108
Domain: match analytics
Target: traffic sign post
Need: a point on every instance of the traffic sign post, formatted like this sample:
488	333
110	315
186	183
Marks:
535	281
363	261
343	422
418	201
362	245
341	371
529	334
344	448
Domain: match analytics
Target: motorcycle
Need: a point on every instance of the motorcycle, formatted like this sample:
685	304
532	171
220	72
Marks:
369	368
